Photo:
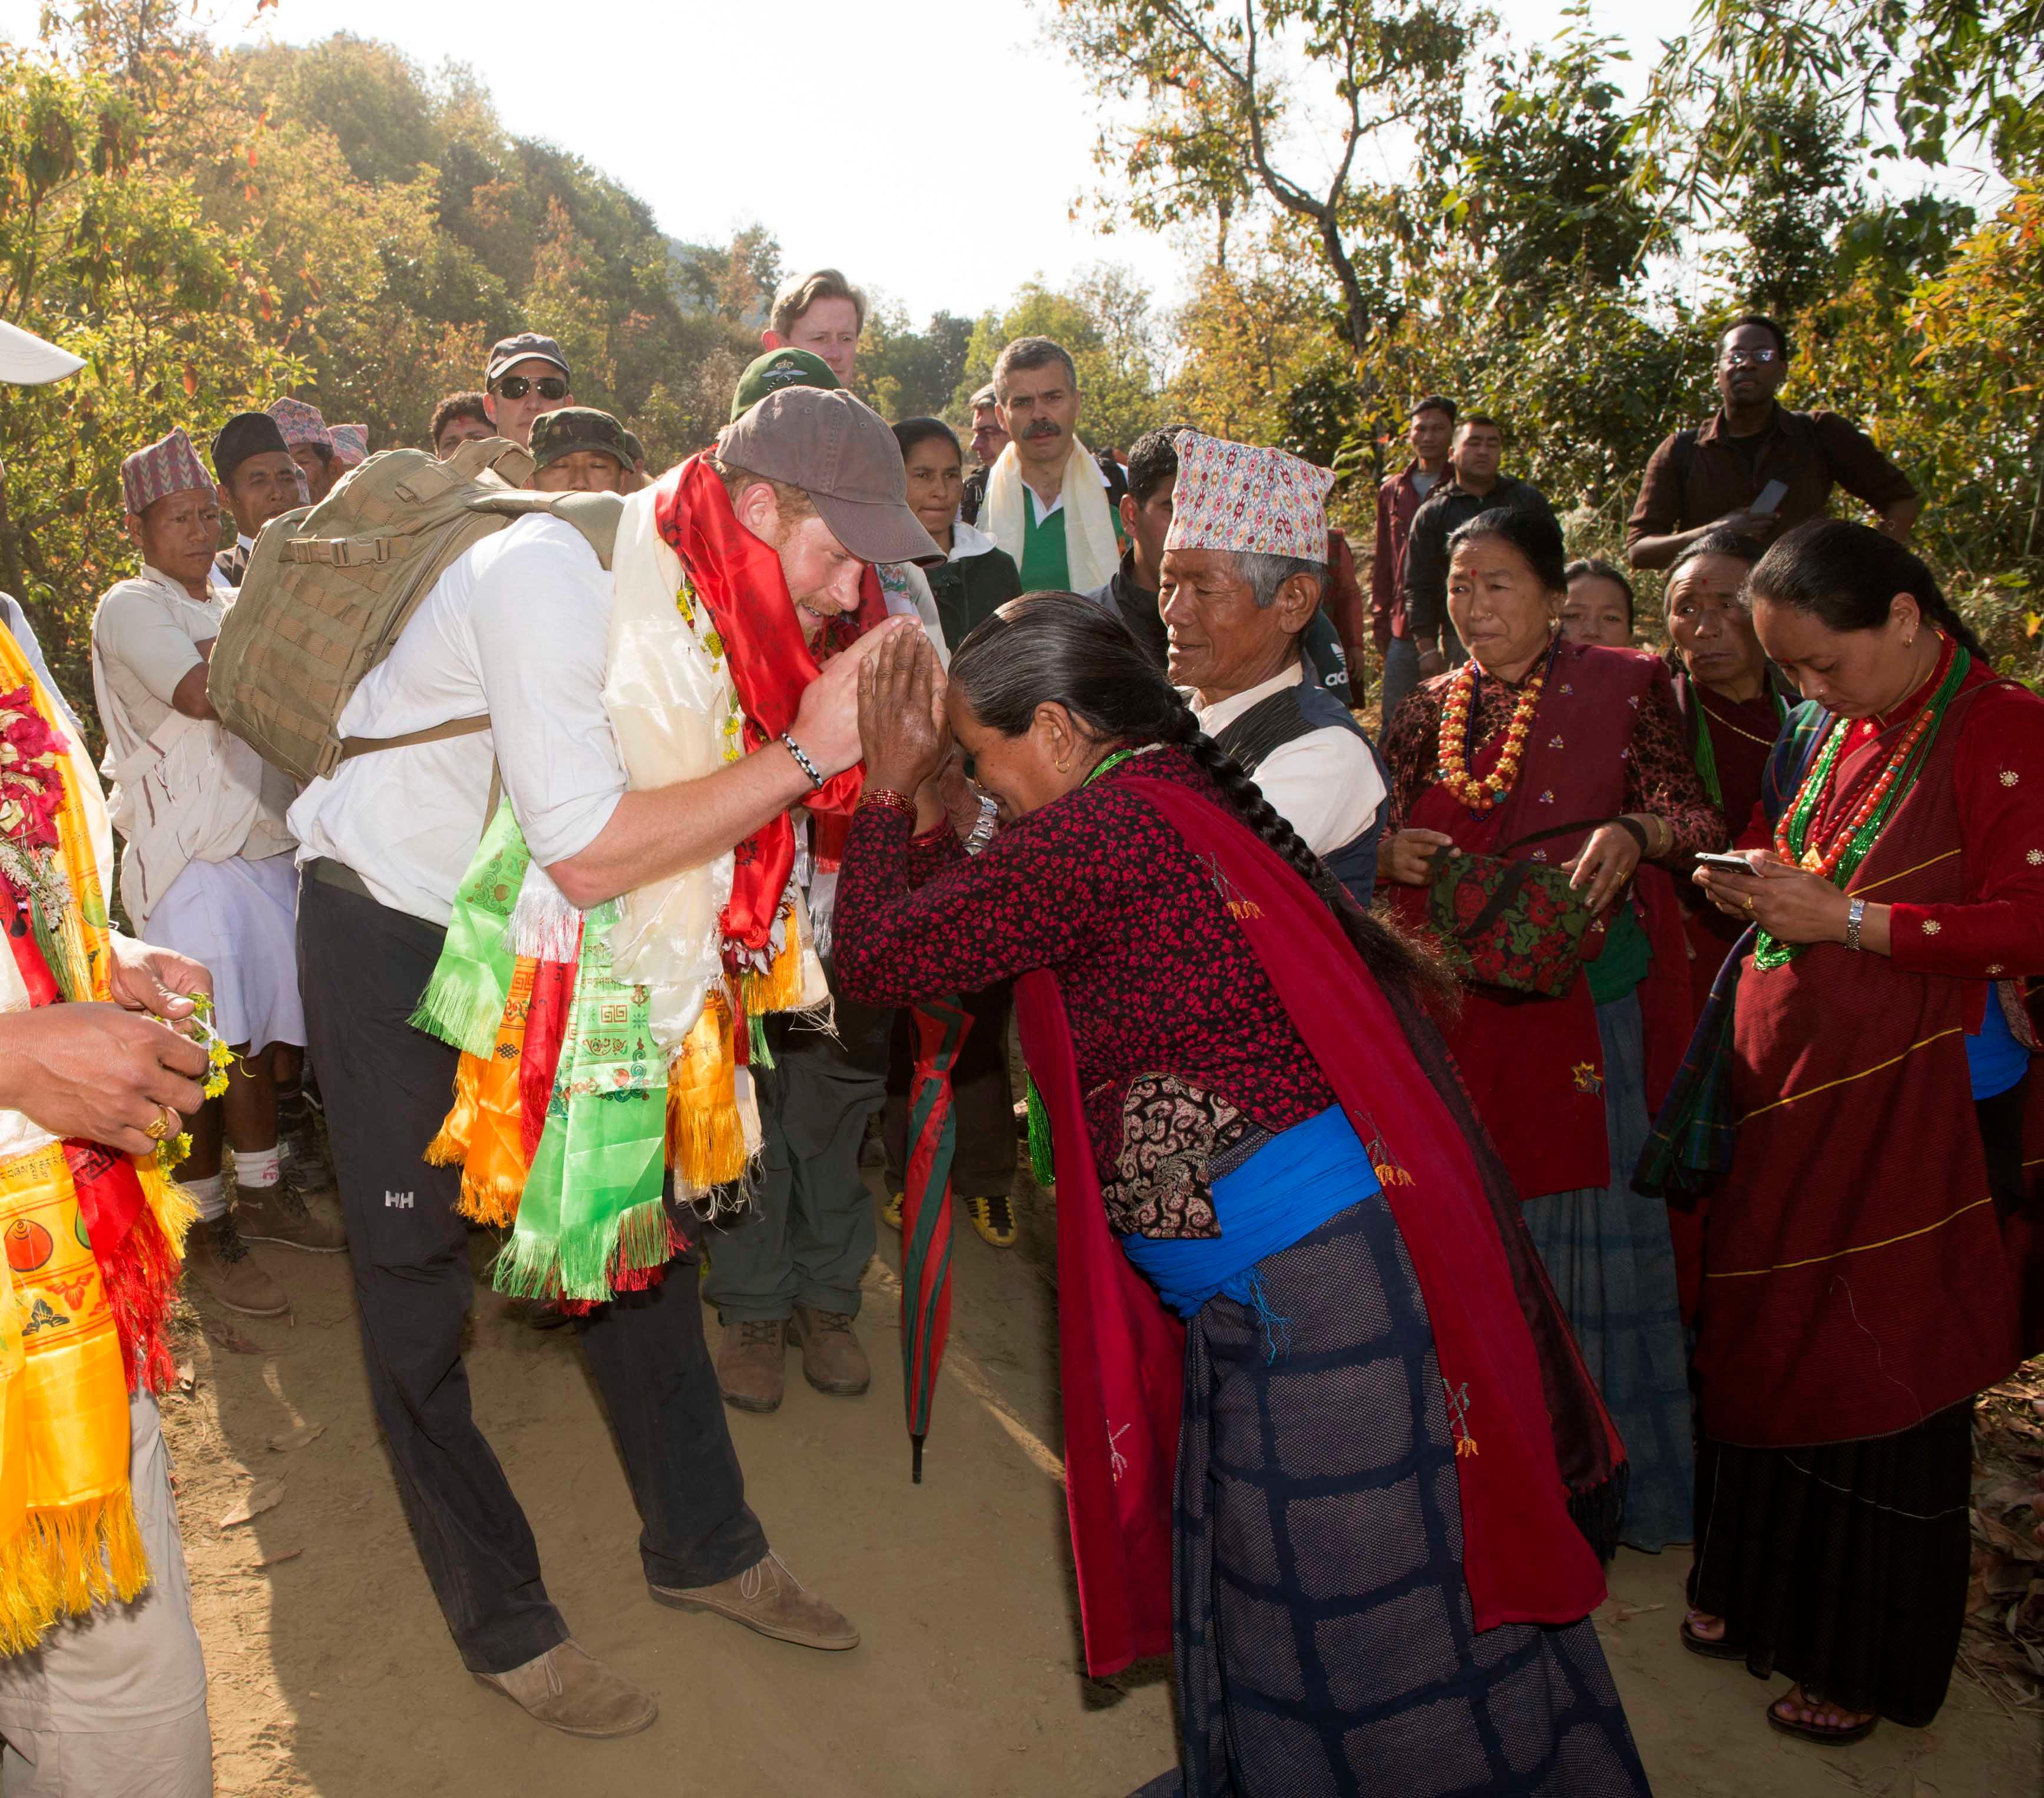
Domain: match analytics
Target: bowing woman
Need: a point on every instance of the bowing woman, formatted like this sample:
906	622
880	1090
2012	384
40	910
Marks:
1570	756
1367	1485
1866	1267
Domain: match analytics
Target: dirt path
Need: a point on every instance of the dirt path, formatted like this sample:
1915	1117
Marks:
331	1671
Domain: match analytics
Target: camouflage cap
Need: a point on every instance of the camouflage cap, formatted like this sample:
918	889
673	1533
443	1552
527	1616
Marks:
777	369
633	447
556	434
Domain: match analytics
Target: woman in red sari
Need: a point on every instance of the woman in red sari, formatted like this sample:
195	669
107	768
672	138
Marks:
1857	1102
1570	756
1341	1471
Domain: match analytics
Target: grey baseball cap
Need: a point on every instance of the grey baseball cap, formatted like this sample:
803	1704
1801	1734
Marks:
840	453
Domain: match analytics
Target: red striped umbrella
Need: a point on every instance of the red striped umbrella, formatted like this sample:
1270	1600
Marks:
940	1027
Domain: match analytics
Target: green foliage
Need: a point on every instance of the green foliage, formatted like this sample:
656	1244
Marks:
212	229
907	374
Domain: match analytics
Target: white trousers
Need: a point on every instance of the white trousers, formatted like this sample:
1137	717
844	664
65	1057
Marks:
240	919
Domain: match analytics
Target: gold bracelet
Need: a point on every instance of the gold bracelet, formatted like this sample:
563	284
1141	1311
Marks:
887	797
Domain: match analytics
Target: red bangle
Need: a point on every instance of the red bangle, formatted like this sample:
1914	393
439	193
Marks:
889	799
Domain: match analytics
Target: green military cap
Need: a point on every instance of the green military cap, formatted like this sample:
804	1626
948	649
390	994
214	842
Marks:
556	434
633	447
777	369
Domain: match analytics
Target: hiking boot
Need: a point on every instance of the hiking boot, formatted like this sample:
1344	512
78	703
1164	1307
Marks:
832	1361
280	1214
308	1166
748	1363
567	1690
993	1217
216	1256
768	1598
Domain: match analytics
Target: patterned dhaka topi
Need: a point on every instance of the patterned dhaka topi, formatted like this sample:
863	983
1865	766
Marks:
170	465
1237	496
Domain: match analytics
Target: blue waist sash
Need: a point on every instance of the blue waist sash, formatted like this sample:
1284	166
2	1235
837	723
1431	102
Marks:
1283	1192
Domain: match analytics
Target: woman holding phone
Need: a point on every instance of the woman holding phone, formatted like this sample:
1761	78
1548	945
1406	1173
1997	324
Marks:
1569	757
1857	1105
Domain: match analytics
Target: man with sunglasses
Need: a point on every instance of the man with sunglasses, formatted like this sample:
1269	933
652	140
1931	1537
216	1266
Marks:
1758	468
525	375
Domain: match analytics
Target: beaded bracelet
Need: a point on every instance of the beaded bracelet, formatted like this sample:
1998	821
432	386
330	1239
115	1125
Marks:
801	760
887	798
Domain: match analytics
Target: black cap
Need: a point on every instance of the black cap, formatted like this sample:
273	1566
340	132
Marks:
245	434
556	434
527	346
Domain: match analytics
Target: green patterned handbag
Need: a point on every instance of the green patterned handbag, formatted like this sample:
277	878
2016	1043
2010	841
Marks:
1515	924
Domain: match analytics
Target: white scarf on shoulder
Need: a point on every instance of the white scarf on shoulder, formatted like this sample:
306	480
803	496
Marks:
1091	554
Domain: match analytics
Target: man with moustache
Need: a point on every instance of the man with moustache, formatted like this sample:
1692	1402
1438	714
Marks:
1050	501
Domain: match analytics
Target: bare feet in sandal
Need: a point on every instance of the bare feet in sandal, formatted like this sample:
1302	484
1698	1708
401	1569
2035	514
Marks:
1705	1627
1816	1718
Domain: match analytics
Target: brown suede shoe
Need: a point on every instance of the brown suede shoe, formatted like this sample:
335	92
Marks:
282	1214
216	1256
748	1364
768	1598
567	1690
832	1361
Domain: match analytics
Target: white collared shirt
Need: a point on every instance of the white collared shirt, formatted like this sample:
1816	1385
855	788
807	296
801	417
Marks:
1325	784
519	628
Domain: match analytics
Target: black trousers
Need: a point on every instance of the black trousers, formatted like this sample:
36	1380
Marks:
362	968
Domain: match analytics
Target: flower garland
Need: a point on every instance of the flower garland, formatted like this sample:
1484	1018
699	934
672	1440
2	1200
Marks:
1855	836
1483	795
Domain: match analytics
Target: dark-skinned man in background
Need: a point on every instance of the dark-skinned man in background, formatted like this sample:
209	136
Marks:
1758	468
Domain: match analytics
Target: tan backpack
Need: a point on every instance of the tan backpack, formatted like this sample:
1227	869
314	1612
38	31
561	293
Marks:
330	587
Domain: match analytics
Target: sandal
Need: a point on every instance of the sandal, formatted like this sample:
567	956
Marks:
1828	1735
1714	1648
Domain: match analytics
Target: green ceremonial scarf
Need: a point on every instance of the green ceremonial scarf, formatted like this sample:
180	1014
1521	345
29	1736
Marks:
464	1001
592	1207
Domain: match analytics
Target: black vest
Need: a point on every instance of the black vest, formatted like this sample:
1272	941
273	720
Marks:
1285	717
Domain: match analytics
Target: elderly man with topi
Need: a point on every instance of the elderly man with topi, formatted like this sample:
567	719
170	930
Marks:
205	870
1243	565
596	953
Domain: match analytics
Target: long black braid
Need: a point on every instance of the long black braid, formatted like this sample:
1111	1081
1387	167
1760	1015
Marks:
1060	648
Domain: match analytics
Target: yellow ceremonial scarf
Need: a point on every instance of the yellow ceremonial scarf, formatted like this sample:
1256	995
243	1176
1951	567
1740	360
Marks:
68	1530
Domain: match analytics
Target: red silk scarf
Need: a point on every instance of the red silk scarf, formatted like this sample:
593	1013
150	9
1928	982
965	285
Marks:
739	578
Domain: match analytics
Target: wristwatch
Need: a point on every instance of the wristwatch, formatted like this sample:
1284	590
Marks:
981	833
1855	916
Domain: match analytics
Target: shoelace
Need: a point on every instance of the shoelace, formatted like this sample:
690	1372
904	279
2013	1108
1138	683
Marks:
832	1320
756	1332
753	1581
227	1242
1000	1213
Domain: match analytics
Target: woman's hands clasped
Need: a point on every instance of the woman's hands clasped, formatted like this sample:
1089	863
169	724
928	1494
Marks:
903	733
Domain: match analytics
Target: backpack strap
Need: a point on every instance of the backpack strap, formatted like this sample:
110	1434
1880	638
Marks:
1682	455
351	747
594	515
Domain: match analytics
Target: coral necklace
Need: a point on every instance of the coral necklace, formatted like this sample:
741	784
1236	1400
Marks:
1796	835
1489	793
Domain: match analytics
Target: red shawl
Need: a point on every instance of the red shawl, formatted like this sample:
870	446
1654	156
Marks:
1121	1353
739	578
1535	1066
1856	1279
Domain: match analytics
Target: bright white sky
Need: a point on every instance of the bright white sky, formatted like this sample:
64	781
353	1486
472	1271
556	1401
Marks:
934	151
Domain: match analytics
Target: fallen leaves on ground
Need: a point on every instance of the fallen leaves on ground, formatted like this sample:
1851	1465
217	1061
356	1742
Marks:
265	1495
2004	1645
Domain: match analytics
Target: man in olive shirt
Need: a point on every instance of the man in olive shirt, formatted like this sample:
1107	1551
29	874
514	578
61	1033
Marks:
1758	468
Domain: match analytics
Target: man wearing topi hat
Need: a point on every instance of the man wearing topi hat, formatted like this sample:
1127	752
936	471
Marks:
205	867
676	744
1244	563
310	442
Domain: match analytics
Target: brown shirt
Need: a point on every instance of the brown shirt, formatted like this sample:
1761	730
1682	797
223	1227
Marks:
1810	452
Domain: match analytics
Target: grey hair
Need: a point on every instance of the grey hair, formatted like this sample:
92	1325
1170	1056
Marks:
1031	352
1265	573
